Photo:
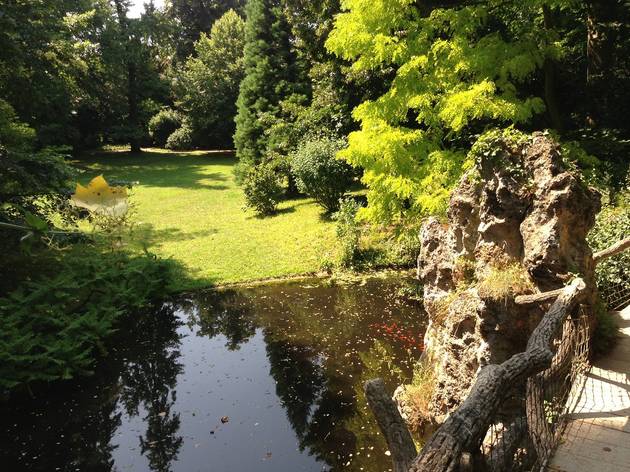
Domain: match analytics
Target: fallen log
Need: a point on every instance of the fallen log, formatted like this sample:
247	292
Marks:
399	440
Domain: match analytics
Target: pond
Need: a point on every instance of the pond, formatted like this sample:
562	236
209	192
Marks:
267	378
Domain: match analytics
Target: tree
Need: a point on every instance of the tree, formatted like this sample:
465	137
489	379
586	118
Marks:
608	67
143	80
195	17
207	86
454	75
46	57
271	73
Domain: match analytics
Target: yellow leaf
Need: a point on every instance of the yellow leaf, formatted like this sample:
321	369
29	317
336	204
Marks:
100	198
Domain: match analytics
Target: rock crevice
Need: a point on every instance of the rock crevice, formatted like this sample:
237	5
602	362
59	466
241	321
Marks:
516	224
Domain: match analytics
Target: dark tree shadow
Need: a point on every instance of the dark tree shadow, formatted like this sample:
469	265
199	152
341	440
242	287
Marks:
181	170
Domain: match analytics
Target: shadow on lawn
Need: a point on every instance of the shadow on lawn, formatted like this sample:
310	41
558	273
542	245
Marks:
157	169
145	235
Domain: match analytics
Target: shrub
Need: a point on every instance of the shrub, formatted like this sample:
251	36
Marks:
163	125
14	133
55	327
262	189
181	139
612	225
348	231
319	174
606	332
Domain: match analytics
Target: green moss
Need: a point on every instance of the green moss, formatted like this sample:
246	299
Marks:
502	282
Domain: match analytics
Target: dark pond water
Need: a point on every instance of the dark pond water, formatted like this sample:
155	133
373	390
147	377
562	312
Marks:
282	365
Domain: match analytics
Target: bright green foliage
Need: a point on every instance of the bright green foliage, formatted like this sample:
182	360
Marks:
612	225
319	174
163	124
453	74
262	189
208	85
55	327
270	75
348	231
181	139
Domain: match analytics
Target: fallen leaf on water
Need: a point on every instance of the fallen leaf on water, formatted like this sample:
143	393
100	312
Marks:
162	414
225	419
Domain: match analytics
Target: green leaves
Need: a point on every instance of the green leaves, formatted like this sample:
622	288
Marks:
453	73
54	327
207	86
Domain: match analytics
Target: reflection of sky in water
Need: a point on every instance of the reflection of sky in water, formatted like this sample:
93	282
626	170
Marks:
215	383
285	363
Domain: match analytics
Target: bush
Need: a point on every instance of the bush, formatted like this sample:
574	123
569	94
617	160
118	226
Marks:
319	174
612	225
263	189
13	133
181	139
348	231
606	332
55	327
163	125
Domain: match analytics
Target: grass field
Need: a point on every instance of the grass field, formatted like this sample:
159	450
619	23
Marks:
188	207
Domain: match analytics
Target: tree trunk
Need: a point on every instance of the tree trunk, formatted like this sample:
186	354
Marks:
132	86
553	110
132	99
600	42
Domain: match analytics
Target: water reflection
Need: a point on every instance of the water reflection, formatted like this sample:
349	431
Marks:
285	363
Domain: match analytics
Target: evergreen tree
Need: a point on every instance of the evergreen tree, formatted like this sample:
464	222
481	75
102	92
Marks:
271	74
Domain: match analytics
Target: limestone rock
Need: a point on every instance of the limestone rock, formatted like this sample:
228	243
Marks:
517	223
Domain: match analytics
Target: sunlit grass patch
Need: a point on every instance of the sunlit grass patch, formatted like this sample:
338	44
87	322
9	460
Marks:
188	207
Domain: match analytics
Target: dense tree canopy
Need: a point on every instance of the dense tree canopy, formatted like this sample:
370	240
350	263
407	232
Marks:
208	84
195	17
409	84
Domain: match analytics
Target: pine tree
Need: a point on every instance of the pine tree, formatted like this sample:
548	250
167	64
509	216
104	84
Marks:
271	74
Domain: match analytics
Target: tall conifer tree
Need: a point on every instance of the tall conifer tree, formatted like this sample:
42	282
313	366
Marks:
271	74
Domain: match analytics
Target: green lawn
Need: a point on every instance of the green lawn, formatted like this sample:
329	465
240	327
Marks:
188	207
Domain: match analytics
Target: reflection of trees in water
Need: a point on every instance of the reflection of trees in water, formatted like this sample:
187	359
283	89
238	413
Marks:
320	358
75	431
148	380
225	312
299	379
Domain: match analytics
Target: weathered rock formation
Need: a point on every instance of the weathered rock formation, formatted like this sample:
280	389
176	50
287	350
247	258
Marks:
517	224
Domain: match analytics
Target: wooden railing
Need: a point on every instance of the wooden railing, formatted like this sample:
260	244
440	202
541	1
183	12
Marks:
458	444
